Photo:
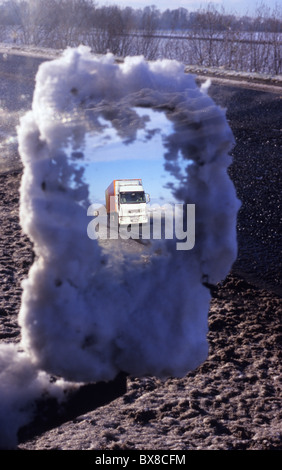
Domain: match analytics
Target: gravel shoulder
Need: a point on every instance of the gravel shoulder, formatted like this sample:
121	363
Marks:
233	400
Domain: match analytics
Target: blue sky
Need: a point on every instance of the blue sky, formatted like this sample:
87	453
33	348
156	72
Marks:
109	158
231	6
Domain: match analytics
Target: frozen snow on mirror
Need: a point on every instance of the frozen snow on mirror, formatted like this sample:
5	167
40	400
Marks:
119	322
86	315
107	156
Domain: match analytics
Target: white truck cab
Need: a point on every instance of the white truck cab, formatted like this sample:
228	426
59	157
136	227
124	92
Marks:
127	202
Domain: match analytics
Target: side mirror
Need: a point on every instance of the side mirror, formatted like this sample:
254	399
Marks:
147	197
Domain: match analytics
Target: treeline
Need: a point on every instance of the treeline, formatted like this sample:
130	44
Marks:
208	36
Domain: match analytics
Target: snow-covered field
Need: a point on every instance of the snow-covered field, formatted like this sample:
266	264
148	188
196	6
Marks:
49	53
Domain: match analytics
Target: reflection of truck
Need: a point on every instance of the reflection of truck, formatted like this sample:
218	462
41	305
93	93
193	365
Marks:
126	201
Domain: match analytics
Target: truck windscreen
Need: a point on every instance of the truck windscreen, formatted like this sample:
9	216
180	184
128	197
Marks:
132	197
